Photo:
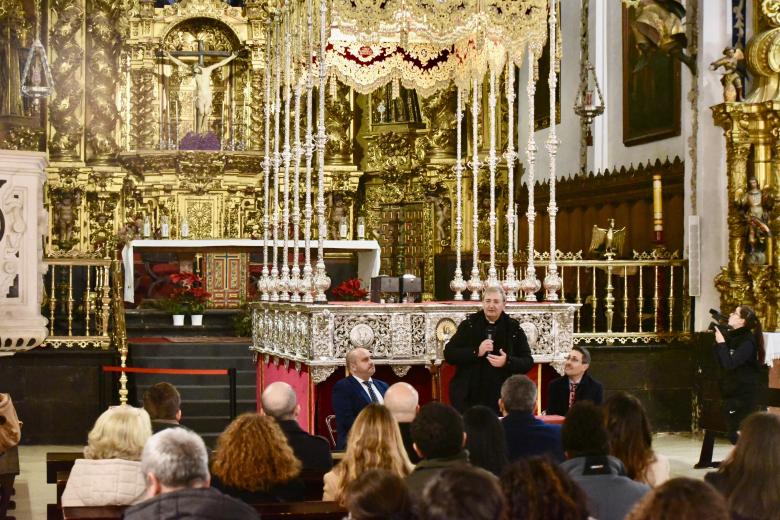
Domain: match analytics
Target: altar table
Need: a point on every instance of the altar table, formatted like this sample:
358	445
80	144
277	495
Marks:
368	253
305	345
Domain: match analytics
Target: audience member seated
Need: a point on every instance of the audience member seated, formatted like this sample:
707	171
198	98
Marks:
485	439
355	392
163	403
176	466
439	439
280	402
526	435
378	495
611	494
463	493
375	443
631	440
536	488
750	477
110	474
681	499
253	462
403	402
576	384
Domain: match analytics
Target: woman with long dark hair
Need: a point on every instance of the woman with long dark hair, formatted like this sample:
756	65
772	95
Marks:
631	440
741	354
485	439
749	477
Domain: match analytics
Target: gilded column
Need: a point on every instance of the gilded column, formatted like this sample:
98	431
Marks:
66	104
144	113
338	124
102	114
256	111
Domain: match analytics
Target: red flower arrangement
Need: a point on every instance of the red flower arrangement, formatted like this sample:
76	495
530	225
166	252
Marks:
189	293
348	291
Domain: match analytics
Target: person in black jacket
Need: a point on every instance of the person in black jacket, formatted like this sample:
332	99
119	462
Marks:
576	384
280	402
741	354
487	348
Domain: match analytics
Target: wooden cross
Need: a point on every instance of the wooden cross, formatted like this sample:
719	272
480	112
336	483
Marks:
201	54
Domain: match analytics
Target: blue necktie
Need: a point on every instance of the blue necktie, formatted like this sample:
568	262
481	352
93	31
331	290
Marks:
371	393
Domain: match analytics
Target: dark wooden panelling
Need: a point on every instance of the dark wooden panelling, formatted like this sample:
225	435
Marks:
661	376
625	195
58	394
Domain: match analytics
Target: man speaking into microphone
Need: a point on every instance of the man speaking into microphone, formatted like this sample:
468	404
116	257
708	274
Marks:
487	348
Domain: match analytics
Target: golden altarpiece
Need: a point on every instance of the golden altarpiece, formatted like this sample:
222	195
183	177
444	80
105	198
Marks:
752	131
119	118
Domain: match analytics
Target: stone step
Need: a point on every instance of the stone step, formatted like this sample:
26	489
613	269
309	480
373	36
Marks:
178	349
245	392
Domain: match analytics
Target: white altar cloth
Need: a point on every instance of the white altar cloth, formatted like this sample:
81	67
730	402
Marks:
368	253
771	347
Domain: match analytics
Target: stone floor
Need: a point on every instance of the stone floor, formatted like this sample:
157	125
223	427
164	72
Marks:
32	492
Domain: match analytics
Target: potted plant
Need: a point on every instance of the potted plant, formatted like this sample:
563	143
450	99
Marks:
190	293
175	308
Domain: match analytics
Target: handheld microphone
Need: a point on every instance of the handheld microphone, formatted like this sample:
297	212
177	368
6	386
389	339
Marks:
490	330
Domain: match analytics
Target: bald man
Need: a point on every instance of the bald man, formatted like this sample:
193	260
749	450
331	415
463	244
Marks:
403	402
280	402
355	392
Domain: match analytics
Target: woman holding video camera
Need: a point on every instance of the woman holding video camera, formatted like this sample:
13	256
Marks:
741	353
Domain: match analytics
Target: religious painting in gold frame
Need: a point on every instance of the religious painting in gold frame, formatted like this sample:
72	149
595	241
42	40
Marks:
651	95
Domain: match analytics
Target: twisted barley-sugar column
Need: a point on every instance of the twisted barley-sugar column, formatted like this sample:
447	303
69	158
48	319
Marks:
736	156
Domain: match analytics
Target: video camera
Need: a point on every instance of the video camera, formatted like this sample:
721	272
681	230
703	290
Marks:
721	322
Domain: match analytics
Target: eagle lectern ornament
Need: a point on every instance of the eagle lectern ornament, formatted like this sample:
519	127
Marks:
607	242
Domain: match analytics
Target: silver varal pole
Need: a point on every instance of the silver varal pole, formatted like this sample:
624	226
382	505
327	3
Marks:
265	280
552	282
475	284
458	284
511	285
530	285
307	283
284	280
321	280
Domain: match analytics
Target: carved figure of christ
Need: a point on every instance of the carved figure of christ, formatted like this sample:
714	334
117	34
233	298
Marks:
202	76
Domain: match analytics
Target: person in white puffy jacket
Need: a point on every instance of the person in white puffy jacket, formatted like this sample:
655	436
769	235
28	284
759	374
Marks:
110	473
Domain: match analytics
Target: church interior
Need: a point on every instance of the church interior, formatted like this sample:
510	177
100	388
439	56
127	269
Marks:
295	179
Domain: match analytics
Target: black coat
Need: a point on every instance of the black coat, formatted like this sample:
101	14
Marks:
742	377
191	504
558	393
476	381
312	450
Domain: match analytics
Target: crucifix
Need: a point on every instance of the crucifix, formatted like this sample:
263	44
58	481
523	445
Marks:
202	75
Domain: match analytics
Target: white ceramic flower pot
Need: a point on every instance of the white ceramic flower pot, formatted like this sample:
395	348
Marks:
197	320
178	320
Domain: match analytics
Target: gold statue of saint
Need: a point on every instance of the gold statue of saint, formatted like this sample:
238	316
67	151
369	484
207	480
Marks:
203	95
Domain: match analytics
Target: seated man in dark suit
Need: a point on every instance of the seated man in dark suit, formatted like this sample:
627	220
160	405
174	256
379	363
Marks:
575	386
526	436
281	403
403	402
163	403
355	392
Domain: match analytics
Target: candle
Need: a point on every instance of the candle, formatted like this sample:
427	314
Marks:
164	227
658	213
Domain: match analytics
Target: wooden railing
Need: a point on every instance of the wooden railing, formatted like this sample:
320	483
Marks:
83	303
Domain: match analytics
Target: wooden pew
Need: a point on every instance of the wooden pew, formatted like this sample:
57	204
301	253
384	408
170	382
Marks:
93	512
60	461
282	511
303	510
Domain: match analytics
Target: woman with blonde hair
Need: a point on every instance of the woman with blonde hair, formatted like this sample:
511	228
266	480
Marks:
749	477
374	442
254	463
110	473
